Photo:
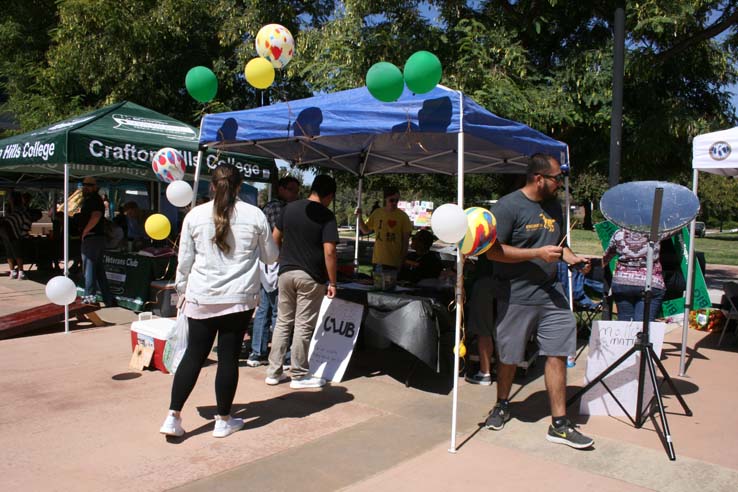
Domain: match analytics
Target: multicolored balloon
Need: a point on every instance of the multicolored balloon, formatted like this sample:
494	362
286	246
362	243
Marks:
168	165
481	231
275	43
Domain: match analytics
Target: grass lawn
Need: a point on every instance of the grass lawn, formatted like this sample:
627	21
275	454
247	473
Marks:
719	249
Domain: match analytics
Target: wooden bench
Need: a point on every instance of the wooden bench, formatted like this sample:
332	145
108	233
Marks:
22	322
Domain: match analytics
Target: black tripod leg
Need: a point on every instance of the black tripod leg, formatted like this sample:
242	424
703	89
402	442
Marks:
660	403
601	376
641	374
670	382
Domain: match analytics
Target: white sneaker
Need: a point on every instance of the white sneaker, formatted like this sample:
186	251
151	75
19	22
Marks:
21	275
13	273
276	380
224	428
307	382
172	426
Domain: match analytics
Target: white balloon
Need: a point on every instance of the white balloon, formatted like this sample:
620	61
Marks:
179	193
61	290
449	223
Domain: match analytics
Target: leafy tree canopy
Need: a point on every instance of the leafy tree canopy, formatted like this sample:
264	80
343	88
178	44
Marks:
547	63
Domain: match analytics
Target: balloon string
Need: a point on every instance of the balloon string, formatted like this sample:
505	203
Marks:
453	305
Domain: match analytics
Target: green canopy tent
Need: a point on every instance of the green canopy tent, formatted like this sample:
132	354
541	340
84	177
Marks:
117	142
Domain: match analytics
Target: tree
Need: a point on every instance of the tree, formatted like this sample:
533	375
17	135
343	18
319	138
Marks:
546	63
718	197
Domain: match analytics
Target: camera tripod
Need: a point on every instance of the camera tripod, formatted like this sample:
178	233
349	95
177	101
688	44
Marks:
644	347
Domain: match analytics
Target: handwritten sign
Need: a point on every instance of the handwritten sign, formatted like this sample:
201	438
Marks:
607	343
334	338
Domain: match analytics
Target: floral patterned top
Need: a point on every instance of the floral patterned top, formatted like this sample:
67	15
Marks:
632	250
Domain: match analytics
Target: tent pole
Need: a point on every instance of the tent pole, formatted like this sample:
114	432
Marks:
195	182
66	240
356	234
459	274
690	285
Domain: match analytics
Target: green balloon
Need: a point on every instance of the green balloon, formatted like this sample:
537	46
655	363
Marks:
384	81
201	83
422	72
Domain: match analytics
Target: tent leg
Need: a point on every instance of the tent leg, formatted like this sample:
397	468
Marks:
356	234
459	278
689	294
195	182
66	240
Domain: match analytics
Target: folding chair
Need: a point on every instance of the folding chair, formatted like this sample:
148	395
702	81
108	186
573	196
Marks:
730	306
585	309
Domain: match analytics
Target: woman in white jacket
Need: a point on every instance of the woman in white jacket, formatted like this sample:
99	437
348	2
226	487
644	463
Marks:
220	247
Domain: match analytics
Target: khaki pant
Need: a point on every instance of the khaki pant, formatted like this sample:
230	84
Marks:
297	313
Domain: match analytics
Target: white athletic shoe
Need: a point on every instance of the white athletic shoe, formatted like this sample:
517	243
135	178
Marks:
224	428
172	426
307	382
276	380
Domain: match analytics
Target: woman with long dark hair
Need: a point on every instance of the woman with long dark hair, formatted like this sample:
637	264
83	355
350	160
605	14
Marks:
220	247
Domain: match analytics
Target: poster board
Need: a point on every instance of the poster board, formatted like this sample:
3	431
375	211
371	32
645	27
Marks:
334	338
418	211
608	341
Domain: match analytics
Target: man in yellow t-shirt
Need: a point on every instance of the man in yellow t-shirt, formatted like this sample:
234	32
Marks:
392	227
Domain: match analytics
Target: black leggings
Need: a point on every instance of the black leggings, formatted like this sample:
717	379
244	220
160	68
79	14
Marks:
230	329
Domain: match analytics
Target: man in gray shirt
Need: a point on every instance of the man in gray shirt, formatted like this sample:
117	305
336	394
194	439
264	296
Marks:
529	300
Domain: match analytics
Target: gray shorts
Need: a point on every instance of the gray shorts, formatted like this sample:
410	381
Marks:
479	310
555	328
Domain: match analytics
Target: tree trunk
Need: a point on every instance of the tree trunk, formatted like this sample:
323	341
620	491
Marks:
587	226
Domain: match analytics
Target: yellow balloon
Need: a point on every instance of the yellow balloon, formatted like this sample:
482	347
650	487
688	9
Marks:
259	73
157	226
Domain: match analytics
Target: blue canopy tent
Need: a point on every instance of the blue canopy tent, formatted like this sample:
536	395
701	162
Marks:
442	131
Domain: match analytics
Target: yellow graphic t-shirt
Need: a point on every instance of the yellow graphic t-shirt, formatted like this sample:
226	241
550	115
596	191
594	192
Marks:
389	228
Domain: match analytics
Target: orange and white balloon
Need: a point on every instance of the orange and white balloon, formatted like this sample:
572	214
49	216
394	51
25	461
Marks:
275	43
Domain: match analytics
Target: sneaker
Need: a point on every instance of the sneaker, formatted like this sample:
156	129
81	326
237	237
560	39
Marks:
14	273
479	378
256	361
307	382
224	428
567	434
271	381
286	366
21	275
496	420
172	426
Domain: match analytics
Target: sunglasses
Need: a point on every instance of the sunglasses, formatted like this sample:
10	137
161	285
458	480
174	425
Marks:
558	178
89	184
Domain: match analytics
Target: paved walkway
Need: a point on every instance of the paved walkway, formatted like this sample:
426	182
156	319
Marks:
74	417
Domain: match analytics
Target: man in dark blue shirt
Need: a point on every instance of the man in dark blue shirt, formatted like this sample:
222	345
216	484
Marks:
92	222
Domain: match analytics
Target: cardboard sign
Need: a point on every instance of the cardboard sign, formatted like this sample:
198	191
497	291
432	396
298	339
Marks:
334	338
141	357
607	343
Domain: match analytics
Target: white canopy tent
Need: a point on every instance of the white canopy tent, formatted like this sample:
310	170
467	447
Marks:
715	153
